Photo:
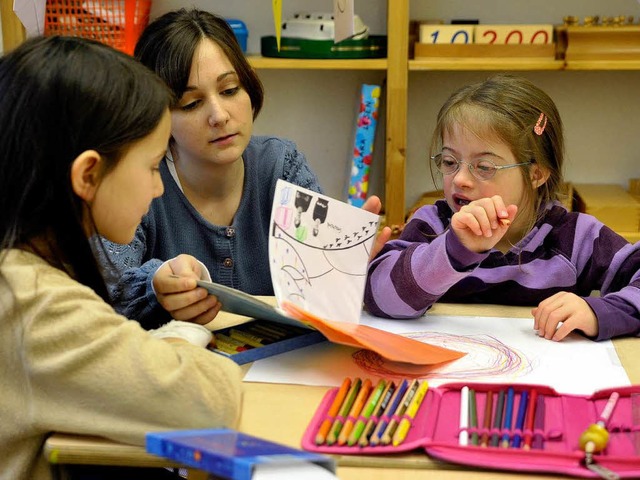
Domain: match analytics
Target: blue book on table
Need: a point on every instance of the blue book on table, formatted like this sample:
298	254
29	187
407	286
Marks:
227	453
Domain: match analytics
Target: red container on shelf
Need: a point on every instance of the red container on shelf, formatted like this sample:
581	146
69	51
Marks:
117	23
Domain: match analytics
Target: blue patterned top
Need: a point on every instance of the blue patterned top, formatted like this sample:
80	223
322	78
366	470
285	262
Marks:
236	255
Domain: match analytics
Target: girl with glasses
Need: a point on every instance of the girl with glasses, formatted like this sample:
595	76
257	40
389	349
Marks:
501	235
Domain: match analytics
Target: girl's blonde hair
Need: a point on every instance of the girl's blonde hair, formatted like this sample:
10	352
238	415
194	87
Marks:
509	108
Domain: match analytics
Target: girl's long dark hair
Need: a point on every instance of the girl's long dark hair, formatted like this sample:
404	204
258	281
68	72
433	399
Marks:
61	96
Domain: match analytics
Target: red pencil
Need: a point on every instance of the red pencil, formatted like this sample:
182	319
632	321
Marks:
486	424
528	429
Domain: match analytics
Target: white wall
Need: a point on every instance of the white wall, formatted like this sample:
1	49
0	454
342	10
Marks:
317	108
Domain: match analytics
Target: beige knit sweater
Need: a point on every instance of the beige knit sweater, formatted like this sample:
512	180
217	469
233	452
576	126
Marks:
71	364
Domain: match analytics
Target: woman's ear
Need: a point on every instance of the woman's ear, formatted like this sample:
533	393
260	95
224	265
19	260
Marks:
85	174
539	175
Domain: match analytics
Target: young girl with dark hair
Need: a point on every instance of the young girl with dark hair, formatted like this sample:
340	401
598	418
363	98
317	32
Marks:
83	129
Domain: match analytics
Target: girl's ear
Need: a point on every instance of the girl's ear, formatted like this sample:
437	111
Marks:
85	174
539	175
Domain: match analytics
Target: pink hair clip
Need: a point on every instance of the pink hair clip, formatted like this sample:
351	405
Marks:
539	128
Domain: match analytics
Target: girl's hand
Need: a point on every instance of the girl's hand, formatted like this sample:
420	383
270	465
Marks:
481	224
573	311
176	289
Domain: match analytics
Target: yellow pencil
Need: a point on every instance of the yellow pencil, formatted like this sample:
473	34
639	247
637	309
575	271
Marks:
405	423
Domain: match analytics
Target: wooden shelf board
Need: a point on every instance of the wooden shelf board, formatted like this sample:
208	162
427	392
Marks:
258	61
603	65
485	63
632	237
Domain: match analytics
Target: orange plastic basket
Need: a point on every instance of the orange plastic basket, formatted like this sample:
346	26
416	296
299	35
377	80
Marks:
118	23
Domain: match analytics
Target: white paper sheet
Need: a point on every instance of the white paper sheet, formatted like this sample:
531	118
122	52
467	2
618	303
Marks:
277	471
500	350
318	252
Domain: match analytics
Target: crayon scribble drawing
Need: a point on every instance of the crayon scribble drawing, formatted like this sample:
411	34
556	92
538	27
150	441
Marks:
487	357
318	251
499	350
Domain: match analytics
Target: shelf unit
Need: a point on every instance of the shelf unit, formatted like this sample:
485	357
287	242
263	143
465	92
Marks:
397	66
259	62
397	70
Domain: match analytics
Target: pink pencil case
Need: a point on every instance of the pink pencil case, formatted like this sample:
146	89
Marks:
436	429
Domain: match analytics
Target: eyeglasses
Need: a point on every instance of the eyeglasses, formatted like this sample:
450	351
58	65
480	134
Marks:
483	169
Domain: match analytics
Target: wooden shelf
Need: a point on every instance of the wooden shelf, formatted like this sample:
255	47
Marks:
632	237
260	62
603	65
443	64
13	33
485	63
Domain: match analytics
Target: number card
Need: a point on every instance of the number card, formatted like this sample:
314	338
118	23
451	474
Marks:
514	34
439	34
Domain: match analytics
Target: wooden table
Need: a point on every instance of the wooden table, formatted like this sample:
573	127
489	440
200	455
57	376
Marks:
281	413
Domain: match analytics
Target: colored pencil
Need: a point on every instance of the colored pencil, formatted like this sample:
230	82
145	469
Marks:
391	408
497	420
608	409
337	424
403	428
356	408
227	343
380	408
262	332
538	425
463	438
522	411
486	420
333	411
367	411
531	413
249	338
473	417
591	446
402	407
508	417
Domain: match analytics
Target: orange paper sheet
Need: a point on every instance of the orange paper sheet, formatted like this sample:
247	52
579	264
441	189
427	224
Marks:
389	345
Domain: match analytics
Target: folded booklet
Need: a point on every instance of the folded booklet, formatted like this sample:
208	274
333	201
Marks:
522	428
319	250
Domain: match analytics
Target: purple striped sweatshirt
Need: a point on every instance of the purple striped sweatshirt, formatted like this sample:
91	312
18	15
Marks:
565	251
